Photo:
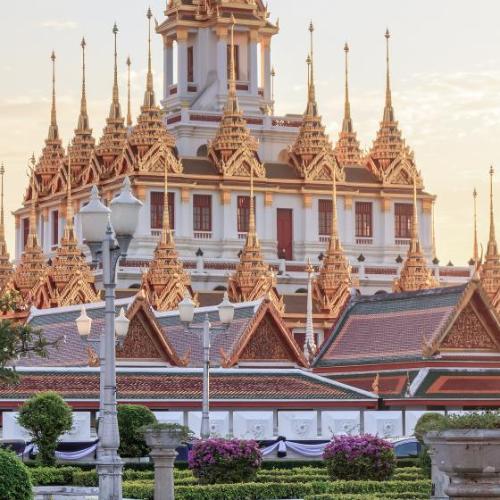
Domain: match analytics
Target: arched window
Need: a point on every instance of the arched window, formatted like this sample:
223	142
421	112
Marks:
202	151
220	288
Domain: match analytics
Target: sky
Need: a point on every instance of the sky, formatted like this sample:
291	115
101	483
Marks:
445	67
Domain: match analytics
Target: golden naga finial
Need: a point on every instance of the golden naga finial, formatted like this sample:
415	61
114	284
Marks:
129	106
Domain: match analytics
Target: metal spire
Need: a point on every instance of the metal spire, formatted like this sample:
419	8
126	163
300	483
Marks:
53	129
347	122
492	243
149	96
309	344
475	254
115	112
129	107
312	108
83	119
388	109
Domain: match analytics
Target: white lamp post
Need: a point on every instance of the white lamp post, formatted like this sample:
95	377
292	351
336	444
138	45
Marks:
98	234
226	315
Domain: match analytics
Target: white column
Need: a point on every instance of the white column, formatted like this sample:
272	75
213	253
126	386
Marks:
168	68
181	67
349	222
222	63
253	71
266	68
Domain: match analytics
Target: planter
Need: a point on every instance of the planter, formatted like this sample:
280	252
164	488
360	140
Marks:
163	443
471	459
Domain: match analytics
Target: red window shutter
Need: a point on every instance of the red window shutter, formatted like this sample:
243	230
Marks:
364	219
202	212
26	230
55	227
156	210
403	214
325	217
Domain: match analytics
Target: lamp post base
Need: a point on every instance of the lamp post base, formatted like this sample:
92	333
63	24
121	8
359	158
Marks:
110	471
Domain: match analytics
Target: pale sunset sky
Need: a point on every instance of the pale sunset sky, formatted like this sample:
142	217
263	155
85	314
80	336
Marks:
445	78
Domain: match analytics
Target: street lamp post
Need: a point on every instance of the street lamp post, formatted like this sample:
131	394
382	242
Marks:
108	234
226	315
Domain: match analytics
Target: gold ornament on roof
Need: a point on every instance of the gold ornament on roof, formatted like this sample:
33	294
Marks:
490	269
312	153
6	267
166	282
415	274
83	143
332	287
114	135
233	149
347	150
150	129
53	152
390	159
253	279
69	279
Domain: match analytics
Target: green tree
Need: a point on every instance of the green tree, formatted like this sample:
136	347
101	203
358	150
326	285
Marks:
18	340
131	418
15	482
46	416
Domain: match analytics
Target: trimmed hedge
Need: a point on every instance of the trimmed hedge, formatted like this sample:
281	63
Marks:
254	491
45	476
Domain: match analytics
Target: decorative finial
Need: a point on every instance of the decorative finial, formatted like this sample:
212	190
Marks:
53	129
166	234
129	106
311	90
115	110
309	344
388	110
149	97
347	123
69	203
492	244
83	119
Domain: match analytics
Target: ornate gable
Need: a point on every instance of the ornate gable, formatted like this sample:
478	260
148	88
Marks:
469	332
159	155
145	340
266	338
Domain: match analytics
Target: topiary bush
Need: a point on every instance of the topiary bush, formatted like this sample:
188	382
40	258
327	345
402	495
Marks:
131	419
15	482
360	457
46	416
215	461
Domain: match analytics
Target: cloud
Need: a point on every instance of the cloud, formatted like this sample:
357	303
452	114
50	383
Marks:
58	25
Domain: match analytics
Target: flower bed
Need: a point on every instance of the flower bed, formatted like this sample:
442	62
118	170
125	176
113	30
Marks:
224	460
360	457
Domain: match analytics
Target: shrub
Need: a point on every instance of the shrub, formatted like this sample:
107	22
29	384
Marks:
15	482
359	457
131	418
44	476
428	422
475	420
46	417
224	460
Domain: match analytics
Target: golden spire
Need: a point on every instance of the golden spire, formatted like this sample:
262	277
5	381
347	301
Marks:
129	107
113	139
32	240
414	274
388	109
83	119
475	249
53	128
312	153
5	264
253	279
166	282
309	343
69	201
490	270
83	142
347	150
149	96
233	149
150	130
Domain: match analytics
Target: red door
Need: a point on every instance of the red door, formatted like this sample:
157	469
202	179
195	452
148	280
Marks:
284	220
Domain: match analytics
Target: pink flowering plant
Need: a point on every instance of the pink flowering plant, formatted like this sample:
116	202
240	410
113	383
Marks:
364	457
215	461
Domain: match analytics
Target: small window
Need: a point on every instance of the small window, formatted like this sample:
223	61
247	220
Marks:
364	216
190	64
55	227
202	212
403	214
325	217
236	61
157	210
